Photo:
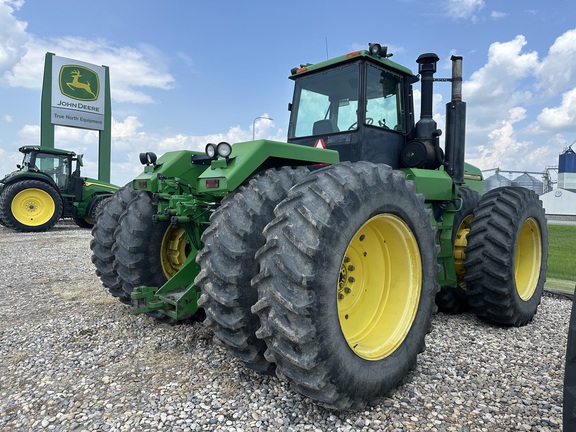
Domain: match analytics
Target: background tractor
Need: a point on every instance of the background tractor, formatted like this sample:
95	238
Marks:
46	188
323	259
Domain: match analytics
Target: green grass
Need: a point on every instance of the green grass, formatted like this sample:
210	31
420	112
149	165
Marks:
561	257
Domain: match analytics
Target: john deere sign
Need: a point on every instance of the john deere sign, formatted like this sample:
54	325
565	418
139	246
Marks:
77	94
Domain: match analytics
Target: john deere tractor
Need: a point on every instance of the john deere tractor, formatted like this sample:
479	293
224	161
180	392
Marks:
323	259
46	187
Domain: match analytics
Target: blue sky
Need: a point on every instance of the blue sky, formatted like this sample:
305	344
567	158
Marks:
185	73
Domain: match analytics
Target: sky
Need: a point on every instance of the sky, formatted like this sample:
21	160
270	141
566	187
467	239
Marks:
186	72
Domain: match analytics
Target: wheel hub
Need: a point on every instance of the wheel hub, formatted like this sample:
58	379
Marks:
379	287
33	207
527	259
174	250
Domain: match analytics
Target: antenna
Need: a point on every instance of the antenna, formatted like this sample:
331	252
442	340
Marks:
326	40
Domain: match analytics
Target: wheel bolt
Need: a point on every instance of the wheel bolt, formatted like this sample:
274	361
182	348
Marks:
347	290
351	279
351	268
340	296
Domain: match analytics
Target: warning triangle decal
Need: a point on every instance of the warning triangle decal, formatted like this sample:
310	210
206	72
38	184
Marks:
320	144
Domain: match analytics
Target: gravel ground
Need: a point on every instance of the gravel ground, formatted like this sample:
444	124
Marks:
72	358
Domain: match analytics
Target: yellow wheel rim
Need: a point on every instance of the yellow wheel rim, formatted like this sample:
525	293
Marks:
33	207
460	244
379	287
527	259
174	250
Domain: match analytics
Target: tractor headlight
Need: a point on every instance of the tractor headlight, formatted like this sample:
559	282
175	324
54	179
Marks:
378	50
210	150
224	149
148	158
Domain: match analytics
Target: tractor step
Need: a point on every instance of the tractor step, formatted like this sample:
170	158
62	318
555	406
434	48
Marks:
173	297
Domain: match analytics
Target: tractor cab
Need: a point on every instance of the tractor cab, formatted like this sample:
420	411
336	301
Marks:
56	164
359	104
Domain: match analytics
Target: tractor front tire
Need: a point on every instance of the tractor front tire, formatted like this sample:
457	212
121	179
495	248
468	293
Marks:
454	300
506	256
347	282
103	241
227	262
30	206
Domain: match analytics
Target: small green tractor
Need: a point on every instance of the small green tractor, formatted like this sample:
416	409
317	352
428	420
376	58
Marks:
45	188
323	259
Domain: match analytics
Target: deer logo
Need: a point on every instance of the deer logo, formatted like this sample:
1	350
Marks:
79	83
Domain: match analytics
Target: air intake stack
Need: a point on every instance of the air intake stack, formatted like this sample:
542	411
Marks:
424	150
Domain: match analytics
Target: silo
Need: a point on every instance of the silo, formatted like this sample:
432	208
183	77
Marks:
527	181
496	181
567	170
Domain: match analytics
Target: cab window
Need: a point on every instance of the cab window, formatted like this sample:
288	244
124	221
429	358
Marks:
383	100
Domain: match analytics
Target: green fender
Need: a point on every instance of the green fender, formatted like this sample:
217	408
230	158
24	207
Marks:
221	176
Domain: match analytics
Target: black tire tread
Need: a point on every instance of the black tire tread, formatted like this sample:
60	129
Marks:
228	265
490	256
292	262
103	240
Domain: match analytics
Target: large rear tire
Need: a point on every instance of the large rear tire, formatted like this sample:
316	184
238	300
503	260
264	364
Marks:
103	241
454	300
347	283
30	206
569	404
227	262
506	256
147	253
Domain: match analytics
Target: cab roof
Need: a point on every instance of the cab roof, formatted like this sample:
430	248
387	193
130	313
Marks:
305	69
45	149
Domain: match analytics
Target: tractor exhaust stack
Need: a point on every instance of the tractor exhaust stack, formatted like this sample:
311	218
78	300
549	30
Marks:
456	125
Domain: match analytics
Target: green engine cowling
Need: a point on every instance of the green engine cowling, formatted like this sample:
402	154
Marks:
93	191
187	186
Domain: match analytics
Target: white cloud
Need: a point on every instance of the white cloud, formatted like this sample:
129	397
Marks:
562	117
7	118
132	69
495	88
13	36
496	15
557	71
463	9
505	150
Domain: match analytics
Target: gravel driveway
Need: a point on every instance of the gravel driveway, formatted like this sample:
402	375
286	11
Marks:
72	358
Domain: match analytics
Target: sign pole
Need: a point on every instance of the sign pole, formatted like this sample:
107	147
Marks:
105	135
46	125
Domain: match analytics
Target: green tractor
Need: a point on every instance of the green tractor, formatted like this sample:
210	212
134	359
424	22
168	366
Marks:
323	259
45	188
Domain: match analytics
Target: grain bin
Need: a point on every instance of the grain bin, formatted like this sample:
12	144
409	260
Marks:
527	181
496	181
